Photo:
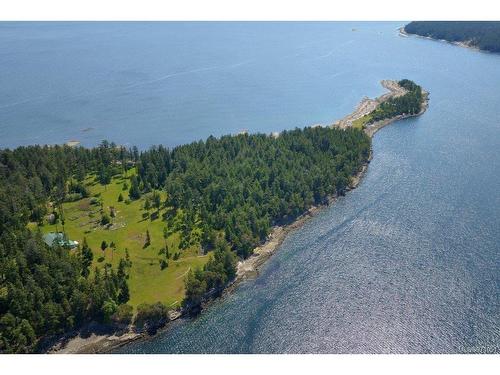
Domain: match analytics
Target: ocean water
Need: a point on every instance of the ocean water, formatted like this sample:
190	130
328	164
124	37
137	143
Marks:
409	262
171	83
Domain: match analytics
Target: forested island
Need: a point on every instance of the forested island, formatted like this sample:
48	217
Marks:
484	35
124	237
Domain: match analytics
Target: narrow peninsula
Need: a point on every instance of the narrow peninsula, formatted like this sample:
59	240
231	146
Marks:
101	246
404	99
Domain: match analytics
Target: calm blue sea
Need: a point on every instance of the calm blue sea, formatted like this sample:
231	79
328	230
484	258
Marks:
172	83
407	263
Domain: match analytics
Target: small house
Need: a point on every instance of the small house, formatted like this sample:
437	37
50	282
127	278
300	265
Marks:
59	239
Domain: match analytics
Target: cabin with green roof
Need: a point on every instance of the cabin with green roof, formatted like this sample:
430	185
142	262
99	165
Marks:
59	239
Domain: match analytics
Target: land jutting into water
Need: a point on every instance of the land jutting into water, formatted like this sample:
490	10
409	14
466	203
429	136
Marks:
484	36
145	234
249	267
465	44
361	117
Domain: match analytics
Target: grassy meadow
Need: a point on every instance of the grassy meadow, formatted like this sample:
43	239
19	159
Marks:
361	122
147	281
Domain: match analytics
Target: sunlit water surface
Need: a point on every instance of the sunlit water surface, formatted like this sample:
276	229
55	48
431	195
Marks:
407	263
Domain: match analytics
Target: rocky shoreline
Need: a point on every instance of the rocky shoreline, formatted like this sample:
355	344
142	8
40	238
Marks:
95	343
367	105
468	45
249	268
376	126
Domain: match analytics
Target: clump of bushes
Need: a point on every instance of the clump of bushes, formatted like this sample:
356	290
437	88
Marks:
73	197
216	273
122	315
78	188
105	220
163	264
151	317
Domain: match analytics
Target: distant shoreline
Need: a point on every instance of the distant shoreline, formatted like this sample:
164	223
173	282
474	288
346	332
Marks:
250	267
403	33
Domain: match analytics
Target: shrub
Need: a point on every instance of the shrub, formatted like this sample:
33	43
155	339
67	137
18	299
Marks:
79	188
150	317
109	307
105	220
148	239
72	197
123	315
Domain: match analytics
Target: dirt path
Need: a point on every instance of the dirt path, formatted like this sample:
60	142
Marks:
184	274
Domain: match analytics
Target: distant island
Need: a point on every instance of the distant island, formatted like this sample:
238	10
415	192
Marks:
483	35
125	241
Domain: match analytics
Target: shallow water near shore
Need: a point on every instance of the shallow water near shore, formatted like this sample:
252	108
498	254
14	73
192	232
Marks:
409	262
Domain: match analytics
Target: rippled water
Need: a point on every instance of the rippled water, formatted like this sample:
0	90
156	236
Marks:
408	262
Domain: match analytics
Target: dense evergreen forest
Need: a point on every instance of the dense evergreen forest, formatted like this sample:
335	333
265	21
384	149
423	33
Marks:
409	103
484	35
46	291
233	188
